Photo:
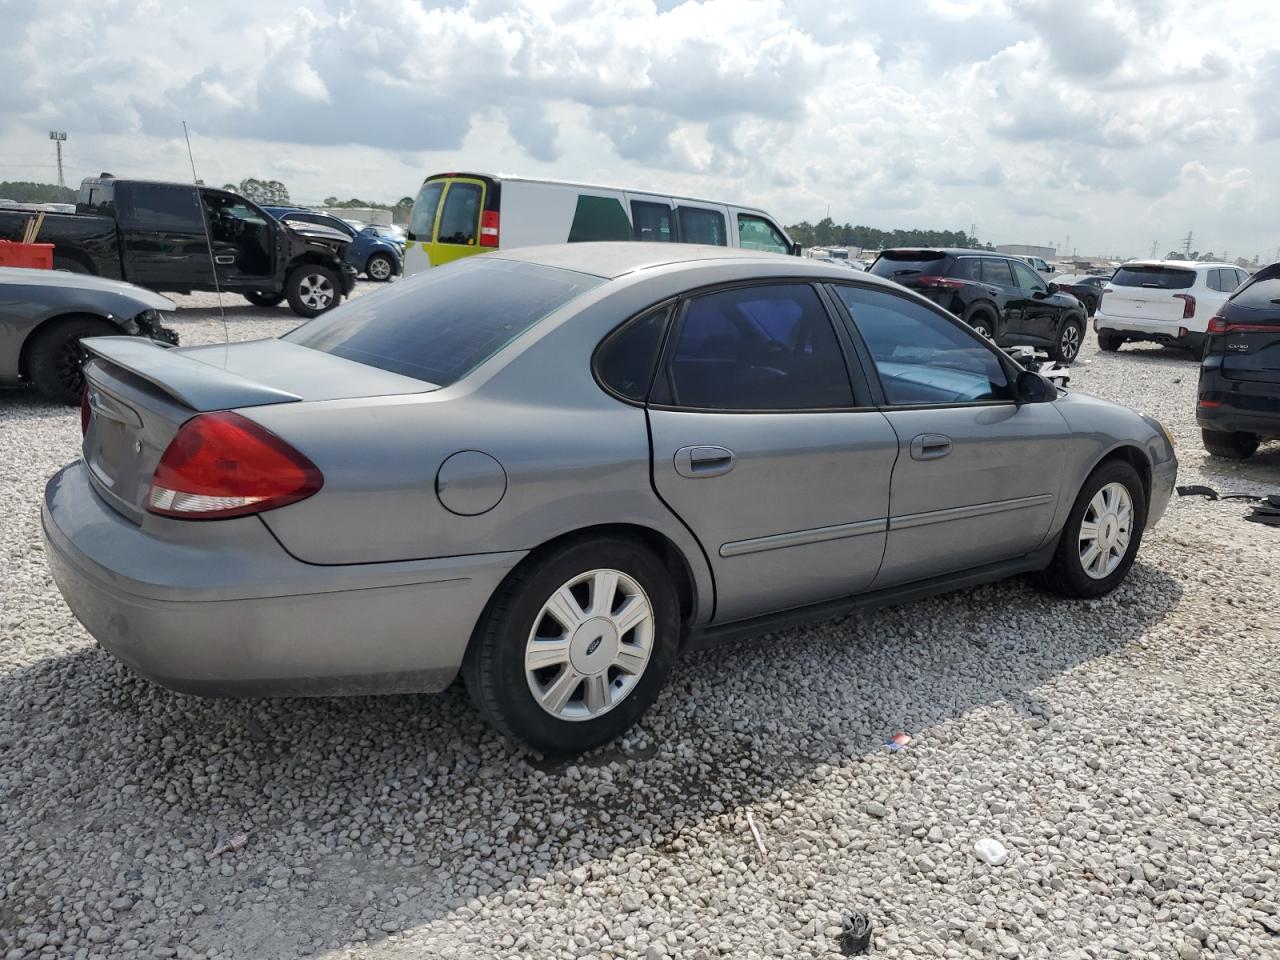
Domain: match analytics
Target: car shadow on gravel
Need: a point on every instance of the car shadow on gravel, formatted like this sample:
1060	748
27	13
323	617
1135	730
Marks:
372	816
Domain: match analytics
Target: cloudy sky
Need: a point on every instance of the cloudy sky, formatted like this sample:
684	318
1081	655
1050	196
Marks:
1116	123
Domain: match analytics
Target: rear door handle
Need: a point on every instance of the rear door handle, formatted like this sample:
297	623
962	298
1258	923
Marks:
699	462
930	446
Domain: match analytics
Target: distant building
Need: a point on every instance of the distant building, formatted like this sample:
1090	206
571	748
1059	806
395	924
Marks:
363	214
1027	250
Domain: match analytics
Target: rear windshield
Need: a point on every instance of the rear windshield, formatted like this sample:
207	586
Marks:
1263	295
440	325
908	263
1154	278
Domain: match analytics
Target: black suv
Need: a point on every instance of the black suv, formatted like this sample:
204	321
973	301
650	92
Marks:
1239	402
1000	297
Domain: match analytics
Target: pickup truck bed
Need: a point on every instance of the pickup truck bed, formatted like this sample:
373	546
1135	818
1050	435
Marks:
79	241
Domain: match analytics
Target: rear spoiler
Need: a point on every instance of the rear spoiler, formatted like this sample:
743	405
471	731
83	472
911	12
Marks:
201	386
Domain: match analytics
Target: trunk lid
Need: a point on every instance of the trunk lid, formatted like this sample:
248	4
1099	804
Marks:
1148	292
139	393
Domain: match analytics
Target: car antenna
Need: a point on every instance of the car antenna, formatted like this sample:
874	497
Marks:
208	238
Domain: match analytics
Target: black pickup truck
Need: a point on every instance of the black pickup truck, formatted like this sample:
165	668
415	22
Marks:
153	234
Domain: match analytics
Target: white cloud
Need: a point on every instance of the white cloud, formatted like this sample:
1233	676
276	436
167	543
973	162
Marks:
1115	121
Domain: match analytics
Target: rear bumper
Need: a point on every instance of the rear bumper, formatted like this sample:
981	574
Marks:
1248	406
227	612
1157	331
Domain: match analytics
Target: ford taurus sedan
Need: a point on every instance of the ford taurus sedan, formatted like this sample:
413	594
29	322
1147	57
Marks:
552	469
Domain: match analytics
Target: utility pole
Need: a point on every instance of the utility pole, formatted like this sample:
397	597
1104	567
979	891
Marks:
59	137
1186	245
1155	245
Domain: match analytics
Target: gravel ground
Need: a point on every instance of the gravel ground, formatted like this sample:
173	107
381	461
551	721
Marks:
1125	751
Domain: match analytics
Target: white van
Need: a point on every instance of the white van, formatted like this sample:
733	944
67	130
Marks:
459	214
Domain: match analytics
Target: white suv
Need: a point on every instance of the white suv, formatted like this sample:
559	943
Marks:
1165	301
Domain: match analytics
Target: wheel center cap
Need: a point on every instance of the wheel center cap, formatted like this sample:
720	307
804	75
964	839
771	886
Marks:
594	646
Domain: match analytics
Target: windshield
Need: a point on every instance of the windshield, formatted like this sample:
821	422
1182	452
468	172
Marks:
907	263
1154	277
440	325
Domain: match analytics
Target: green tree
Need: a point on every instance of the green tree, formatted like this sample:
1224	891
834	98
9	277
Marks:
25	191
264	191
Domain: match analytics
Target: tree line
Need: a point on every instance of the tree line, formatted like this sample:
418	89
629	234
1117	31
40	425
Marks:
827	233
24	191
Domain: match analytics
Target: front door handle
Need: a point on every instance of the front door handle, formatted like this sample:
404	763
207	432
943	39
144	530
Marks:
930	446
225	259
699	462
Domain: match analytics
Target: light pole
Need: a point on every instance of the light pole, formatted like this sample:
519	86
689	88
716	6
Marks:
59	137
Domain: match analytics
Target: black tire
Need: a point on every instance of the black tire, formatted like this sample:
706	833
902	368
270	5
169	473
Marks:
1091	305
494	668
1066	574
380	267
260	298
1067	345
982	322
69	264
1109	342
312	290
55	357
1235	445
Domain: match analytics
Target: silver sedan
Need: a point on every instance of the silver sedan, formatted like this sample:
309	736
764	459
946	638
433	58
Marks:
552	469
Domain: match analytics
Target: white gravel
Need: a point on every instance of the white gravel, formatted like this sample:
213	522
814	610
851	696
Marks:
1124	751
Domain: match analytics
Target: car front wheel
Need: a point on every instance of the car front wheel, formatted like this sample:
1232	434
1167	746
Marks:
380	268
1101	537
312	290
575	646
1067	347
260	298
55	357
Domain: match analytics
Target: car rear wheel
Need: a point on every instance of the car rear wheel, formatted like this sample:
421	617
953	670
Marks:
260	298
981	322
1091	305
380	268
55	358
312	290
1231	445
68	265
1067	347
1109	342
575	646
1101	536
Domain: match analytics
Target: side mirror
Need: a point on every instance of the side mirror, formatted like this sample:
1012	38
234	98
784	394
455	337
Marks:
795	248
1054	288
1033	388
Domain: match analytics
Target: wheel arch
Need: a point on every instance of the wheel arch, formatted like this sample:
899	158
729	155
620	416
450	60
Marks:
33	335
1133	455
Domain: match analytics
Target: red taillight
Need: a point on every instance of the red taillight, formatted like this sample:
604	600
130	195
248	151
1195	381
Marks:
1210	403
1188	305
1221	325
489	228
224	465
940	283
85	410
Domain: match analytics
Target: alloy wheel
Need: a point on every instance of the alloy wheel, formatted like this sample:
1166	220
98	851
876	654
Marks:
589	645
1069	344
315	291
1105	530
379	268
68	364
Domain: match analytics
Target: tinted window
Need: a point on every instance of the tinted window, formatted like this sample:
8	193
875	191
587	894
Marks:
626	359
440	325
966	268
599	218
652	222
1027	279
757	233
1263	293
758	348
921	356
905	263
422	218
997	272
97	196
460	218
701	226
169	208
1154	277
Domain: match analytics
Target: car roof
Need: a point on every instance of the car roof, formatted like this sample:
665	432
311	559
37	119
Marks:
951	252
610	260
1180	264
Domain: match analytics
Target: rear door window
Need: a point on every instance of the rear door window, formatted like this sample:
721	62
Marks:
1263	294
997	272
900	264
460	218
165	208
966	268
757	233
440	325
652	222
422	218
599	218
758	348
1154	277
701	226
923	357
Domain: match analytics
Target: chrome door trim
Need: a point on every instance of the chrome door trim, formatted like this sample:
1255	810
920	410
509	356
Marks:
910	520
800	538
